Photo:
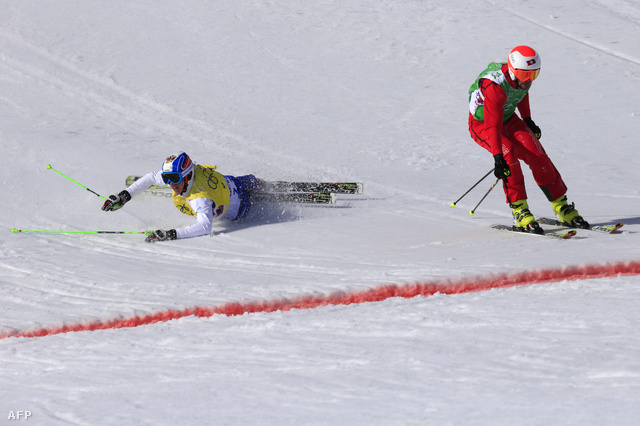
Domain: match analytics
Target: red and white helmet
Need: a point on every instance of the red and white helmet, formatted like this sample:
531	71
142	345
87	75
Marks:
524	63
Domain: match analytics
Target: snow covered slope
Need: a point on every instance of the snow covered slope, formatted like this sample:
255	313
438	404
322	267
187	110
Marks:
374	92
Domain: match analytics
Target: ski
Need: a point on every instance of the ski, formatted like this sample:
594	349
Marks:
334	187
294	197
284	186
131	179
159	192
562	235
607	229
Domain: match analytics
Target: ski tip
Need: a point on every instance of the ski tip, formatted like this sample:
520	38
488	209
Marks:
609	228
131	179
568	235
617	226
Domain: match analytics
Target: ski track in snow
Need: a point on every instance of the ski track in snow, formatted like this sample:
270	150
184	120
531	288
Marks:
119	104
106	97
592	44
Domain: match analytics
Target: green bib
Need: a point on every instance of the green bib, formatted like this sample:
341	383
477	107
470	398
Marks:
495	74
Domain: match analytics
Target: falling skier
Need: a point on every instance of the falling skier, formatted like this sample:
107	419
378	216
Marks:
197	191
493	99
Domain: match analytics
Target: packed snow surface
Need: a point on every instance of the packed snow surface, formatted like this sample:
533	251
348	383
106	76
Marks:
373	92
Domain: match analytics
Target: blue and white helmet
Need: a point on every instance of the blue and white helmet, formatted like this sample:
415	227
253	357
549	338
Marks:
177	168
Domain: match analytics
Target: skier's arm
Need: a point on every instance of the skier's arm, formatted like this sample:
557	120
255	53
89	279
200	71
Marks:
524	108
494	100
525	112
145	182
114	202
203	208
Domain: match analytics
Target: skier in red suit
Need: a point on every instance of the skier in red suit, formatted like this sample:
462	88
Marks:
500	90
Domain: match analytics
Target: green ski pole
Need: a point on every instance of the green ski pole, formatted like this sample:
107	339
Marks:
77	183
16	230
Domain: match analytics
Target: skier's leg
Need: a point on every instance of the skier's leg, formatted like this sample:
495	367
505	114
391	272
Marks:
514	187
244	185
529	150
544	172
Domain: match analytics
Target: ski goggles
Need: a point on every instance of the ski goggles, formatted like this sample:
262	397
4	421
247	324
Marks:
526	75
172	177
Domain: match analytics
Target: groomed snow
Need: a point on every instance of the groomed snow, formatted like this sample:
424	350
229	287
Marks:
374	92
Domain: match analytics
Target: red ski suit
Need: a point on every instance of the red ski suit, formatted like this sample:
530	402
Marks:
515	141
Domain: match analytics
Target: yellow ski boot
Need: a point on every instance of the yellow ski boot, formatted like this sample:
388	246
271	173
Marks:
523	220
567	213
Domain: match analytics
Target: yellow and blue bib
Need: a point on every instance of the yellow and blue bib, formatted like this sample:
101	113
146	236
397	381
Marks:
209	184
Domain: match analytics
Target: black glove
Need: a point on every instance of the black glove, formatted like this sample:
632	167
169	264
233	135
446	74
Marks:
502	169
161	235
535	129
116	201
